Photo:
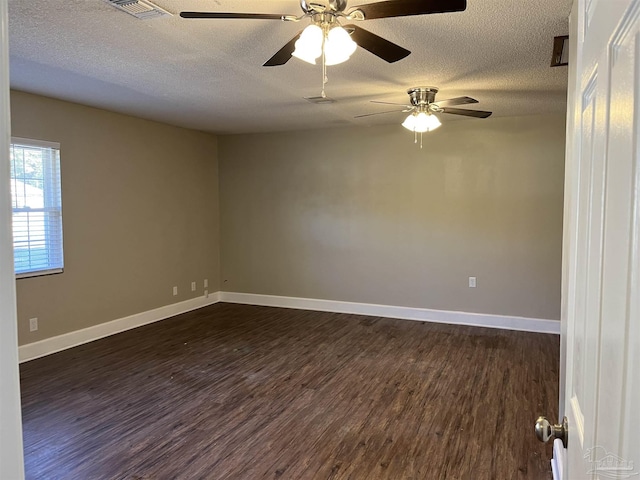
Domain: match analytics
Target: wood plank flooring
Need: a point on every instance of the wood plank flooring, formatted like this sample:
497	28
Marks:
244	392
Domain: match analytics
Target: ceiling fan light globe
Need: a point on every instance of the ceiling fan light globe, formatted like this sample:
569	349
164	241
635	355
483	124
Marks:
432	122
410	122
309	45
425	122
338	46
340	38
421	122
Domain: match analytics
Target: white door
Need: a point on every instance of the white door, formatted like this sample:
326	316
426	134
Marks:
601	265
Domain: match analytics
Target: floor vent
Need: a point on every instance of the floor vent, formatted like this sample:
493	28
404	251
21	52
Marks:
139	8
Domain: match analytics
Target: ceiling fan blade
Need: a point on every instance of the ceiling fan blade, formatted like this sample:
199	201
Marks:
379	46
252	16
468	113
379	113
456	101
283	55
392	103
404	8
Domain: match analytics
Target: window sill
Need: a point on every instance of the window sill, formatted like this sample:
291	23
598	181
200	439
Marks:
39	273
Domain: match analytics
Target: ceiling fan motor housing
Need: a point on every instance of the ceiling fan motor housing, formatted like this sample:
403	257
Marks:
315	7
422	95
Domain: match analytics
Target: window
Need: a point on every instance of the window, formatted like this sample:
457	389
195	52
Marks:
37	207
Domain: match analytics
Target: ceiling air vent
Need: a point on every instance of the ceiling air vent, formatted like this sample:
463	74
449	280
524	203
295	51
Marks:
560	54
139	8
320	100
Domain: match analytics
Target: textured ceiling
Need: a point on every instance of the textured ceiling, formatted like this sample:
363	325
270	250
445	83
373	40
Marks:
207	74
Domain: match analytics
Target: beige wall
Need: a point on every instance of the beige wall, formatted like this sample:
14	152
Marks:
359	215
140	215
364	215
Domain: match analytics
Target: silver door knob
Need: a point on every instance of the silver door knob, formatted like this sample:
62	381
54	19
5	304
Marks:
545	431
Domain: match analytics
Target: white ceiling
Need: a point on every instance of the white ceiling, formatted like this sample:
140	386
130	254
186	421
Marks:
207	74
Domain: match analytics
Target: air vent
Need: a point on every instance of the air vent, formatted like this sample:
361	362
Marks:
320	100
139	8
560	54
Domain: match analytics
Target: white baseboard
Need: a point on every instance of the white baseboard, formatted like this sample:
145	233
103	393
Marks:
48	346
407	313
51	345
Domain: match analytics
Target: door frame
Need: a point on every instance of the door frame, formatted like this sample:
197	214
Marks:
11	450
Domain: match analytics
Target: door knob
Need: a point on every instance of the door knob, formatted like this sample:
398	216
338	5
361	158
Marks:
546	430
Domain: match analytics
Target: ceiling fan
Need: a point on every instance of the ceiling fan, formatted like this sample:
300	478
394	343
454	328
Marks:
423	108
326	37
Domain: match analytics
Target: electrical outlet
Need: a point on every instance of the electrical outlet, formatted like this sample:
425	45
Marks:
193	286
206	283
472	282
33	324
175	291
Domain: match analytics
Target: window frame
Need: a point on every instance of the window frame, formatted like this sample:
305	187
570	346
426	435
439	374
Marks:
47	193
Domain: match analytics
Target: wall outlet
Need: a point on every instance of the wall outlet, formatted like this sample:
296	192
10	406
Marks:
175	291
472	282
193	286
206	283
33	324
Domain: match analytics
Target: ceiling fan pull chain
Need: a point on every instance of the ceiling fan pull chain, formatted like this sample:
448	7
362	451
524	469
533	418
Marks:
324	67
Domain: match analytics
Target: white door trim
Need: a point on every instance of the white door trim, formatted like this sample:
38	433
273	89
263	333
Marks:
11	454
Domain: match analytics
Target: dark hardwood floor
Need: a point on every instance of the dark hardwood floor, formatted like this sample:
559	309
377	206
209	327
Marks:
243	392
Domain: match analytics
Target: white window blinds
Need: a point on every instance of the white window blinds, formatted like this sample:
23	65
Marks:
37	207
